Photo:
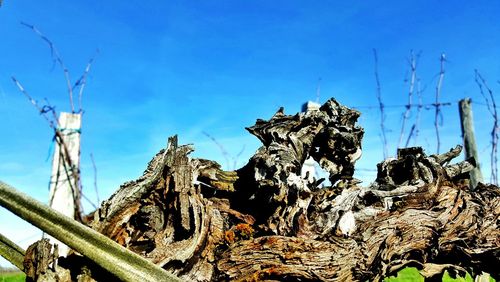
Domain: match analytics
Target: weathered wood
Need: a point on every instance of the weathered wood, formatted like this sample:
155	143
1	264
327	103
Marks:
39	257
64	183
40	263
64	192
124	264
469	140
266	221
11	251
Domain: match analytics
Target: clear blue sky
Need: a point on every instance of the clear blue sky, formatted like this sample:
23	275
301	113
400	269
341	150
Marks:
188	67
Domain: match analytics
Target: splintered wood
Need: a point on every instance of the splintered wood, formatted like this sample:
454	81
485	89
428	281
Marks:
267	222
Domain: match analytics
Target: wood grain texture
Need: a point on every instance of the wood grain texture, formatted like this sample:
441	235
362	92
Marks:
266	222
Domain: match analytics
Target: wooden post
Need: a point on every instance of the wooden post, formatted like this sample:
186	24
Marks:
467	124
309	166
64	192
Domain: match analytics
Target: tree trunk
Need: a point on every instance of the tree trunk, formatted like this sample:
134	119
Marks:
265	221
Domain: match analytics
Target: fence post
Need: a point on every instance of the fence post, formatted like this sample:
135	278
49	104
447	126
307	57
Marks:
64	191
308	167
467	125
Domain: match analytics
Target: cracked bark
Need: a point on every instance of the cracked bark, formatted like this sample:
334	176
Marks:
266	222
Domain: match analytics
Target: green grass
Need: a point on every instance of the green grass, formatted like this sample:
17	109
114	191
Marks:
411	274
12	277
448	278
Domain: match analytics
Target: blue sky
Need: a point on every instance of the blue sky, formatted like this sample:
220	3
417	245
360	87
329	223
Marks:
188	67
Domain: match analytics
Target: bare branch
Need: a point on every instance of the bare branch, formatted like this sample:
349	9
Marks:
406	115
228	157
89	201
43	110
481	82
56	58
318	90
225	154
492	108
82	81
48	108
237	157
415	128
69	167
426	106
412	61
380	105
95	179
413	131
419	111
438	113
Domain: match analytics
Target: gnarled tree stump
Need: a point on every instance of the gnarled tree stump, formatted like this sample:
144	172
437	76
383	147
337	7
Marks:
265	221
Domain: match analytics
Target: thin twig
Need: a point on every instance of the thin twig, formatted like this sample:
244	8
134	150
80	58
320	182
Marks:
56	58
89	201
415	128
42	110
426	106
406	115
64	152
380	105
225	154
71	169
318	90
95	179
82	81
419	112
437	113
492	108
237	157
413	131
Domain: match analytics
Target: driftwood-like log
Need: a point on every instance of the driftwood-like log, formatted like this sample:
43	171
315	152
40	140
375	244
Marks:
266	221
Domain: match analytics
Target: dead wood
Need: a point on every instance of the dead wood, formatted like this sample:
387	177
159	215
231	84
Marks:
40	263
267	222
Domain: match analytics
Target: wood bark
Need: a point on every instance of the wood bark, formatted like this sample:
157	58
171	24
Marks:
469	139
267	222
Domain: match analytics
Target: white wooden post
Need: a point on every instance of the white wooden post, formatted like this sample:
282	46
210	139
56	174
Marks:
64	180
309	166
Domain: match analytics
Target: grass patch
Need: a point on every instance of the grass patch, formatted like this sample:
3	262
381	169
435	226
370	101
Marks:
408	274
12	277
448	278
411	274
